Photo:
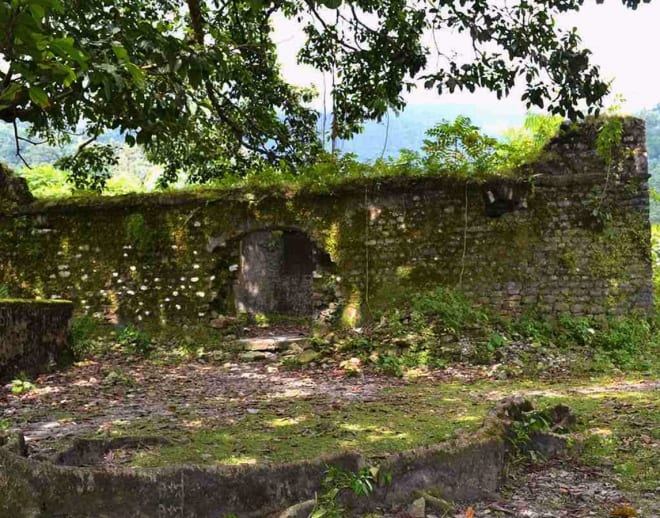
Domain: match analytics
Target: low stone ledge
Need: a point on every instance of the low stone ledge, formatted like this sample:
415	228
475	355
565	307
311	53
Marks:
34	335
31	489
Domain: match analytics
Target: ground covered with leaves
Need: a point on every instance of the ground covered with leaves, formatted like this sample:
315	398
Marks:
227	411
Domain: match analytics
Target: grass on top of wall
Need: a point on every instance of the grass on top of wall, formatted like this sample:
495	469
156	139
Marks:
453	149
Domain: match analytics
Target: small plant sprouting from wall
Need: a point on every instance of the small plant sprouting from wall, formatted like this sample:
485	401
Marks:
140	236
336	481
523	429
459	148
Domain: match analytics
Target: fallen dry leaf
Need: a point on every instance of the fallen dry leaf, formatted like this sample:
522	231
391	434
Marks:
623	511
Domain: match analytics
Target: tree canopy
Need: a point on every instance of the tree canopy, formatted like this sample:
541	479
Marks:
198	84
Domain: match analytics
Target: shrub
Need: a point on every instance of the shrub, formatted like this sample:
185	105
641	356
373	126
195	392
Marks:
21	385
135	341
390	365
575	330
623	341
83	330
448	309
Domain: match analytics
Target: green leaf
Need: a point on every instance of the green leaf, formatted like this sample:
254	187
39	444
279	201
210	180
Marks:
39	97
136	74
120	52
10	92
38	12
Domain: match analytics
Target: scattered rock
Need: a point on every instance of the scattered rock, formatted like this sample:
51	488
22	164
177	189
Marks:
296	348
272	343
222	322
418	508
301	510
307	357
561	418
512	408
253	356
435	502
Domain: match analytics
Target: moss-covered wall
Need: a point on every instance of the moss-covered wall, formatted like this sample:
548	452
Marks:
575	238
33	335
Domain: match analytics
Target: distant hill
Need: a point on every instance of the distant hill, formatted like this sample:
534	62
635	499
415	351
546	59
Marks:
652	117
407	129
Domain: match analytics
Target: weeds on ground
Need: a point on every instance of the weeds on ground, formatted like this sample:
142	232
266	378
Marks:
135	341
441	327
84	331
21	385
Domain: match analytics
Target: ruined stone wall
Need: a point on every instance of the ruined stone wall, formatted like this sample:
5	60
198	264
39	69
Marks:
33	335
573	238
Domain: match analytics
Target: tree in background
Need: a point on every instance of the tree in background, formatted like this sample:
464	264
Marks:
199	86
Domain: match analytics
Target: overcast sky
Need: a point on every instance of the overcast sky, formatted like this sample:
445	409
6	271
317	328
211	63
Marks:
625	43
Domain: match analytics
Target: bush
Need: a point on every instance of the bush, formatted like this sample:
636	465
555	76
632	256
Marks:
390	365
575	330
135	341
448	309
83	330
623	341
45	181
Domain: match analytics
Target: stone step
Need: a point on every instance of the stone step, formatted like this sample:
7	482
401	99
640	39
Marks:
278	343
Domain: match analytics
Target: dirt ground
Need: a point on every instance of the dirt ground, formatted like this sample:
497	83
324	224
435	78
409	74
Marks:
318	405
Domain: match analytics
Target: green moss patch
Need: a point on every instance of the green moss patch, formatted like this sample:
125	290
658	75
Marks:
280	431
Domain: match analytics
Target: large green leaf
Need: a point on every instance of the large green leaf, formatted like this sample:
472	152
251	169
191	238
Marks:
38	97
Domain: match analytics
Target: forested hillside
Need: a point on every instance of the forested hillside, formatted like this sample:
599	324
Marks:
653	142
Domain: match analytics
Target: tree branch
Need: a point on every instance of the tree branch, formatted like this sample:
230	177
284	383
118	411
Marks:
18	145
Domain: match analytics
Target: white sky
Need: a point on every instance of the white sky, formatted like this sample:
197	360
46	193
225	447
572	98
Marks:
625	44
